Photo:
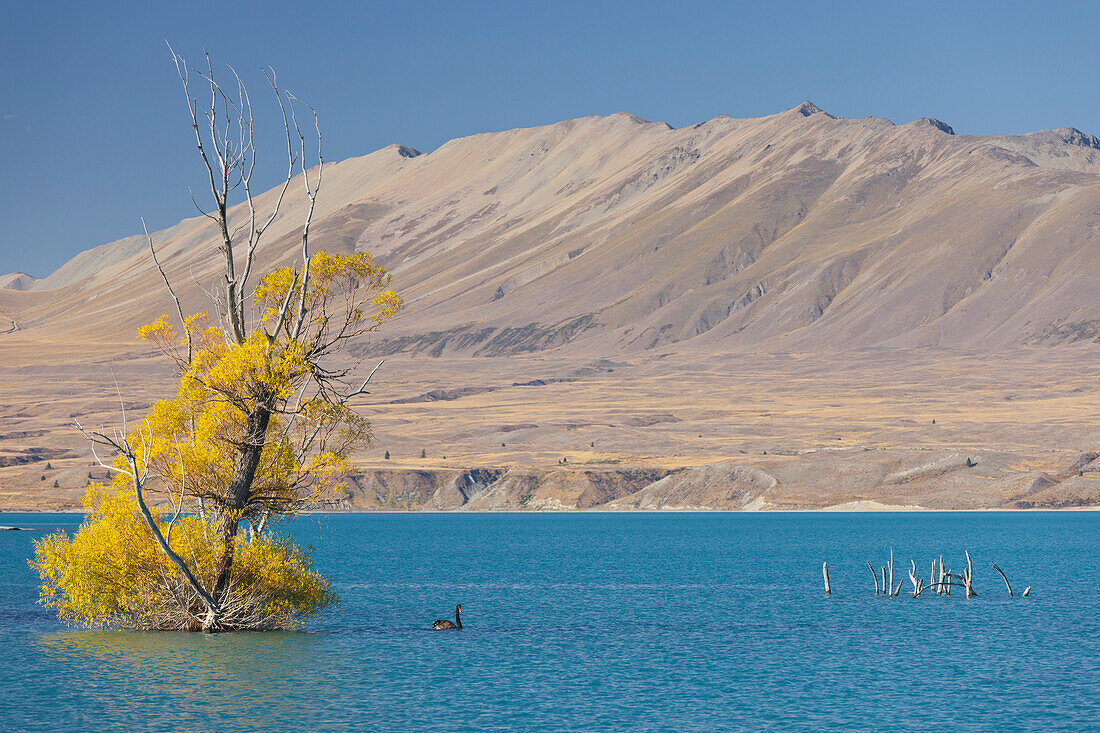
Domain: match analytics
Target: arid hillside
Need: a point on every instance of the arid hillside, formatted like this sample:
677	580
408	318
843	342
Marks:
789	300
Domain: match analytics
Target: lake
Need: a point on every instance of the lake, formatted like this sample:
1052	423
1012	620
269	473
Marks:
592	622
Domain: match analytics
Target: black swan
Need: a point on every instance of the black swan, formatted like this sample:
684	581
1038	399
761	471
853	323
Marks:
445	624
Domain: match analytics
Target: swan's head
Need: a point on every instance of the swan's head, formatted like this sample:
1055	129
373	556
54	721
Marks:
458	607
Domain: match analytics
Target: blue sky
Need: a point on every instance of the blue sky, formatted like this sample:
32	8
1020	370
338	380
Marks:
93	127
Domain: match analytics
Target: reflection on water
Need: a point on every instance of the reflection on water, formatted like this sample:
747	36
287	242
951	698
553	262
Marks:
193	660
605	622
210	675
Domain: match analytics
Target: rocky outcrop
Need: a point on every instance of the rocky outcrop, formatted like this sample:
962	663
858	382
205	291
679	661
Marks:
494	489
418	489
719	486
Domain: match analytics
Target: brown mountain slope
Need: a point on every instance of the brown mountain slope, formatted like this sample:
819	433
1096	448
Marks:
637	276
795	230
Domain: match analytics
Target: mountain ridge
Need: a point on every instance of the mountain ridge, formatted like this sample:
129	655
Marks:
829	301
1069	136
775	224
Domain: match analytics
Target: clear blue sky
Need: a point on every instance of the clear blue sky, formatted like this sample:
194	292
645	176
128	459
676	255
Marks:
93	129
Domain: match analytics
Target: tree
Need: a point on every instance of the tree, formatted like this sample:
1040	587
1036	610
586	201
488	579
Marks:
261	425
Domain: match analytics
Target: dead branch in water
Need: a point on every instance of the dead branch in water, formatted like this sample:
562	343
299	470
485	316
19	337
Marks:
942	578
890	585
997	567
873	575
969	577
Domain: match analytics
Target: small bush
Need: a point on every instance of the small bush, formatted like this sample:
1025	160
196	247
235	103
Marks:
112	574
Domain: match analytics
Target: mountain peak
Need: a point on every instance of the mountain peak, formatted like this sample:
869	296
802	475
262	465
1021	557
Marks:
808	108
1073	136
17	281
404	151
937	124
630	117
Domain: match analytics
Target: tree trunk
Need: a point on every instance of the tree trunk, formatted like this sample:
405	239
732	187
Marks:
240	486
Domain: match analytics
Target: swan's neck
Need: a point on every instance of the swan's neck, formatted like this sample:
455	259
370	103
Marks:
458	621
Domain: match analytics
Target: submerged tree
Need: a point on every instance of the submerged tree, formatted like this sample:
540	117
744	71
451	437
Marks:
260	427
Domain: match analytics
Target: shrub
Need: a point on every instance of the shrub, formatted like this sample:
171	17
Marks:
112	574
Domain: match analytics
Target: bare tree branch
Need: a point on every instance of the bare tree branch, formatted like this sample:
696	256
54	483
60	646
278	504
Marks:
171	291
123	448
311	194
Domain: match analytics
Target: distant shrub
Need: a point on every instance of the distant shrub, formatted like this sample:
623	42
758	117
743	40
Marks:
49	466
423	453
387	455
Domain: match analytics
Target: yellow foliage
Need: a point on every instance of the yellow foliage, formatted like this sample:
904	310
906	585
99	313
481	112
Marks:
112	574
332	276
264	393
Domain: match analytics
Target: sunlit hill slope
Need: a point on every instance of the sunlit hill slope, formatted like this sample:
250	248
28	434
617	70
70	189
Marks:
557	256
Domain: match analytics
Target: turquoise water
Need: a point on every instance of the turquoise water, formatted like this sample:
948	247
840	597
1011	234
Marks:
594	622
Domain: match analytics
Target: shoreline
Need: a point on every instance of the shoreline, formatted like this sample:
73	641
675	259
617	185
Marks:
834	509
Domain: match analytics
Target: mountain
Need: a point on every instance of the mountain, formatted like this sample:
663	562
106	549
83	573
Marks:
797	230
547	252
